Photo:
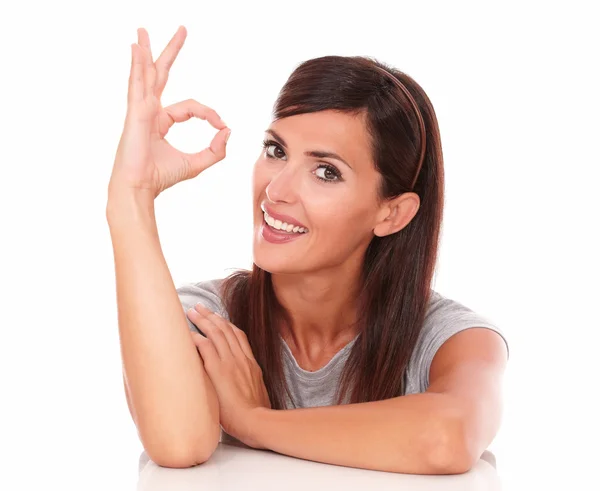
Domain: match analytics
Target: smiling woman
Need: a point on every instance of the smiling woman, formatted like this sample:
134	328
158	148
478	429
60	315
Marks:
347	155
338	308
334	347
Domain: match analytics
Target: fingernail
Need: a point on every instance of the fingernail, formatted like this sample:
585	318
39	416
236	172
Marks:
227	136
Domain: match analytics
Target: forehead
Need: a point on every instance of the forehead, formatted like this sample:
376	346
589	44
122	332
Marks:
333	131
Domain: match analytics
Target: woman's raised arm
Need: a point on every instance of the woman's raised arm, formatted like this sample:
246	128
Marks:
171	399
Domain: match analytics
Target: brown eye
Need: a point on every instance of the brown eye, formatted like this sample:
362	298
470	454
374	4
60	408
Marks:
273	150
329	173
278	152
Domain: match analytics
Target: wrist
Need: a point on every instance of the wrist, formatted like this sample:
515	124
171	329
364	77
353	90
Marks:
258	425
129	203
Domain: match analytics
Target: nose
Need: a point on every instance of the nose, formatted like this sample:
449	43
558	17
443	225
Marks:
284	185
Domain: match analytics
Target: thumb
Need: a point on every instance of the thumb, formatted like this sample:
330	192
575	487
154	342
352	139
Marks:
202	160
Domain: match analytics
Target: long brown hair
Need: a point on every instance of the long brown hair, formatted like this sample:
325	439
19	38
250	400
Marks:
398	268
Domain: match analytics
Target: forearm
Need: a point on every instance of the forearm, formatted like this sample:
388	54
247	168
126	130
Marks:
406	434
174	402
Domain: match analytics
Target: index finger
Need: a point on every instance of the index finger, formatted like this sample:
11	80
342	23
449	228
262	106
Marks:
184	110
167	57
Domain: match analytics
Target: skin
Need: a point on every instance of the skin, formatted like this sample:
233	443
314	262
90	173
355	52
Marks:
443	430
315	277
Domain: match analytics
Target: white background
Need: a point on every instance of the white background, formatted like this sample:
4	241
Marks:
515	88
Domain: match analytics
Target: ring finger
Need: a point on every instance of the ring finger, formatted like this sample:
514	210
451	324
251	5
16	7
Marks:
149	68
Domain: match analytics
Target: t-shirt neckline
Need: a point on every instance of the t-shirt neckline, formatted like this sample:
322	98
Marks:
321	372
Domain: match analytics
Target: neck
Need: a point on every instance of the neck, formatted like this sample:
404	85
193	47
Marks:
322	310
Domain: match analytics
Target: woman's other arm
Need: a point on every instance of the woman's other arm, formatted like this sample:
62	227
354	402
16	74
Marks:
443	430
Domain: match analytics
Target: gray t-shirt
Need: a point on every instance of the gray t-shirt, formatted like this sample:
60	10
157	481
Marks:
444	318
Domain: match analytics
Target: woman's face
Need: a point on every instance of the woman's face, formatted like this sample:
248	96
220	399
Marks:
335	201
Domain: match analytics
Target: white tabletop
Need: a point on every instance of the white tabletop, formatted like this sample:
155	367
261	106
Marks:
237	468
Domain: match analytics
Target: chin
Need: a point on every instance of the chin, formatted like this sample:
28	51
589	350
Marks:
266	257
278	258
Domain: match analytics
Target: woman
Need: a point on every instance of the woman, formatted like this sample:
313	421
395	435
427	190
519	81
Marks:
337	317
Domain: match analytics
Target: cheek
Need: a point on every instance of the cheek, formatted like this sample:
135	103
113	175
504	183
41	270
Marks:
334	217
343	217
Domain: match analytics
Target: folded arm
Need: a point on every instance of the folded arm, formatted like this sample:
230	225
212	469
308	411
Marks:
441	431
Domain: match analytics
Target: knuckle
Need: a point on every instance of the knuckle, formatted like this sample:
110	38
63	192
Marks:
209	326
201	110
165	64
219	333
205	326
198	337
195	311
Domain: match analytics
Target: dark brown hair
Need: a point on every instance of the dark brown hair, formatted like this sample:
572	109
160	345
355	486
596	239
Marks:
398	268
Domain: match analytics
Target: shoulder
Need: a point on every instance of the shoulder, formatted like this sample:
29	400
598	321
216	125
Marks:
444	317
204	288
206	292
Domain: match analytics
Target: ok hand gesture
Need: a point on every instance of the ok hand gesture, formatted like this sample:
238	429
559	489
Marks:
144	159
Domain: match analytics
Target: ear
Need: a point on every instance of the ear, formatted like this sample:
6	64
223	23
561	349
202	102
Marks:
396	213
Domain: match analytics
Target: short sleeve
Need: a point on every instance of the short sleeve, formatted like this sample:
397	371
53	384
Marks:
444	318
205	292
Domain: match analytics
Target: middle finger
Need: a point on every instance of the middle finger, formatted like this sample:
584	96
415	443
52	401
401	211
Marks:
167	57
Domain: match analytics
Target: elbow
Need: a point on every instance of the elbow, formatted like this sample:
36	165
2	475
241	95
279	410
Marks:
449	451
179	455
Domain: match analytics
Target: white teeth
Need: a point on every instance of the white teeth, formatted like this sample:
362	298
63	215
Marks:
286	227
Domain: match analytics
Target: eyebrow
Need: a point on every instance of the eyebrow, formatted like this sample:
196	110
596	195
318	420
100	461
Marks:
312	153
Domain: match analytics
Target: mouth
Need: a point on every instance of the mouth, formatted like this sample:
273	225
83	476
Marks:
279	227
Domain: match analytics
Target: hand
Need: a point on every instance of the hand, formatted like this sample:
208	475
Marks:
233	370
144	159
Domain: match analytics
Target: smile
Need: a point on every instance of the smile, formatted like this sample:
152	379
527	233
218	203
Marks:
274	235
282	227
